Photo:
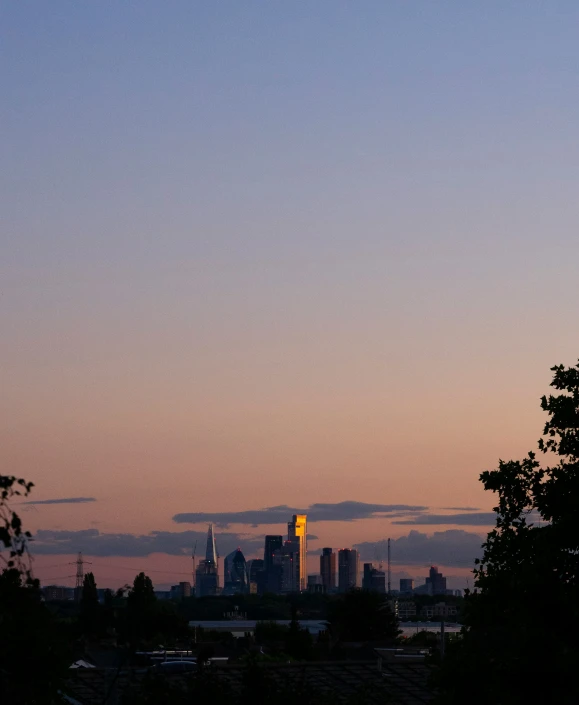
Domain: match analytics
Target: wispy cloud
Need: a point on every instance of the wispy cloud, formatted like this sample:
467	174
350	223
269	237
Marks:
471	519
339	511
461	509
62	500
94	543
454	547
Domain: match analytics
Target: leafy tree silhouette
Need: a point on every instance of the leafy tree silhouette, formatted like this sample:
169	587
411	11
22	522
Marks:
34	650
90	610
520	641
362	615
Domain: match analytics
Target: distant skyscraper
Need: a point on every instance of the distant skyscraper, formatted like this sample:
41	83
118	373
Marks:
206	575
347	569
406	586
436	582
234	573
256	576
297	530
328	569
290	566
373	579
211	551
272	543
272	564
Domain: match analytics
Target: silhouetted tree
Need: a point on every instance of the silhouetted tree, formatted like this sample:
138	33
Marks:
13	539
90	610
33	648
298	641
361	615
520	644
140	614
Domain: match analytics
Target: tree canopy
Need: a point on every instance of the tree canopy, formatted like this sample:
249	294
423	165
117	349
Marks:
361	615
520	642
29	635
13	538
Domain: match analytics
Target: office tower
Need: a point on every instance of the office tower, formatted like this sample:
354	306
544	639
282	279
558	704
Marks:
406	586
234	573
272	564
180	591
206	575
328	569
290	559
347	569
256	576
373	579
436	582
272	543
315	584
254	568
297	530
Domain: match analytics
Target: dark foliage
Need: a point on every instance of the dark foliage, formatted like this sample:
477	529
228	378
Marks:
13	539
520	644
361	615
34	648
91	617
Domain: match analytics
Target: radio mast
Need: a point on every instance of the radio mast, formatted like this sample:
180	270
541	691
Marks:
389	571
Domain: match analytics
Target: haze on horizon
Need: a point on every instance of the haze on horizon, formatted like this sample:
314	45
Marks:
261	254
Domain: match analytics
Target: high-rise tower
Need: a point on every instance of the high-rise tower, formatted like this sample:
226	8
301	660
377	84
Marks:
211	552
271	564
328	569
347	569
207	575
297	530
235	573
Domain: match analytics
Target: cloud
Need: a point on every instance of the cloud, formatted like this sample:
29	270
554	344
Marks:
62	500
454	547
474	519
339	511
178	543
462	509
313	537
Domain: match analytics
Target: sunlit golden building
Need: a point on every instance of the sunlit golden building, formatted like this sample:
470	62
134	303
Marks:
297	531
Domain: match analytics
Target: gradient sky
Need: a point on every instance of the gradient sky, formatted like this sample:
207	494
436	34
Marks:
264	253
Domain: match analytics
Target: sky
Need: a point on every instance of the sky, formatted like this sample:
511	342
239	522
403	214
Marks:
261	254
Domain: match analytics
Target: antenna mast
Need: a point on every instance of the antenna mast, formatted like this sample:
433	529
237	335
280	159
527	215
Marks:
389	571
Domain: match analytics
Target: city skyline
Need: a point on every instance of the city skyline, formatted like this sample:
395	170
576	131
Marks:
280	562
265	259
281	570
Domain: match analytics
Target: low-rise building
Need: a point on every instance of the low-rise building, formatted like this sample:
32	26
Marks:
54	593
406	609
440	609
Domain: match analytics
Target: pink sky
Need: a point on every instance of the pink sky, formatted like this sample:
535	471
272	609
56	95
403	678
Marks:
281	253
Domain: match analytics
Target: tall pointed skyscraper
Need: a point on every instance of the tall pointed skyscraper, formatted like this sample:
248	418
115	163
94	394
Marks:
211	552
207	576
